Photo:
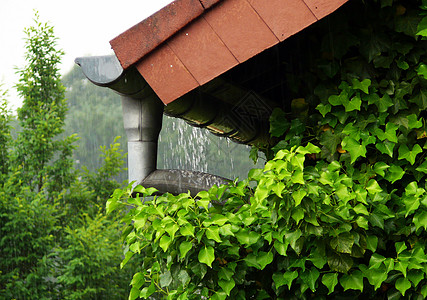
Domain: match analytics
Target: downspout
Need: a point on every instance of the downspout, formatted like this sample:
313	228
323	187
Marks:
142	112
142	118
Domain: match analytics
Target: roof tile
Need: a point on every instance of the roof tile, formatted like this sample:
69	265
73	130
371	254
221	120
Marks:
208	3
147	35
166	74
322	8
241	29
284	17
202	51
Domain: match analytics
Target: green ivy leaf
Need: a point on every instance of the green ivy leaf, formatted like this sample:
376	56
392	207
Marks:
220	295
420	220
380	168
361	85
279	280
225	273
373	187
355	149
411	204
395	173
376	261
340	262
389	133
343	243
330	280
376	276
336	100
187	230
422	69
165	279
298	195
183	277
309	149
324	109
288	277
423	167
310	278
317	259
292	238
212	233
261	193
225	230
400	246
402	285
413	122
298	177
147	291
204	202
134	293
386	147
251	261
298	214
137	281
362	222
409	155
227	285
424	291
297	161
384	103
279	123
403	65
217	219
171	229
415	276
353	281
165	242
353	104
351	130
184	247
376	220
247	237
207	255
402	266
361	209
281	248
264	259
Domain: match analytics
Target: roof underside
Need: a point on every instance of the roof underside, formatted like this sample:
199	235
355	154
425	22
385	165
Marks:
189	43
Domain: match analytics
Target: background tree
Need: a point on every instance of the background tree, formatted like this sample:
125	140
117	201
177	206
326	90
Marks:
42	156
52	225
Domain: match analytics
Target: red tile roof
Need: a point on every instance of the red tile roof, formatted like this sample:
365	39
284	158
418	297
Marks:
190	42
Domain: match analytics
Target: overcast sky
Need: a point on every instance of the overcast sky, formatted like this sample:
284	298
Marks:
83	28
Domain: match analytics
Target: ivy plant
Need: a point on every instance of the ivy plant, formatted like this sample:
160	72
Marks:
340	208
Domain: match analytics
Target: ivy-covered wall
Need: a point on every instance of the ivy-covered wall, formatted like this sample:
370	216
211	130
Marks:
340	209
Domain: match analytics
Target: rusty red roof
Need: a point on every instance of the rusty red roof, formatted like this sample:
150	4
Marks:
190	42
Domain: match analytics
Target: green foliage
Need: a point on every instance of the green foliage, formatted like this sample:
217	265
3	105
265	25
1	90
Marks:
55	241
28	227
37	150
5	139
89	261
339	210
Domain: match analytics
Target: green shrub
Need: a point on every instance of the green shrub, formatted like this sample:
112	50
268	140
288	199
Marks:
89	261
